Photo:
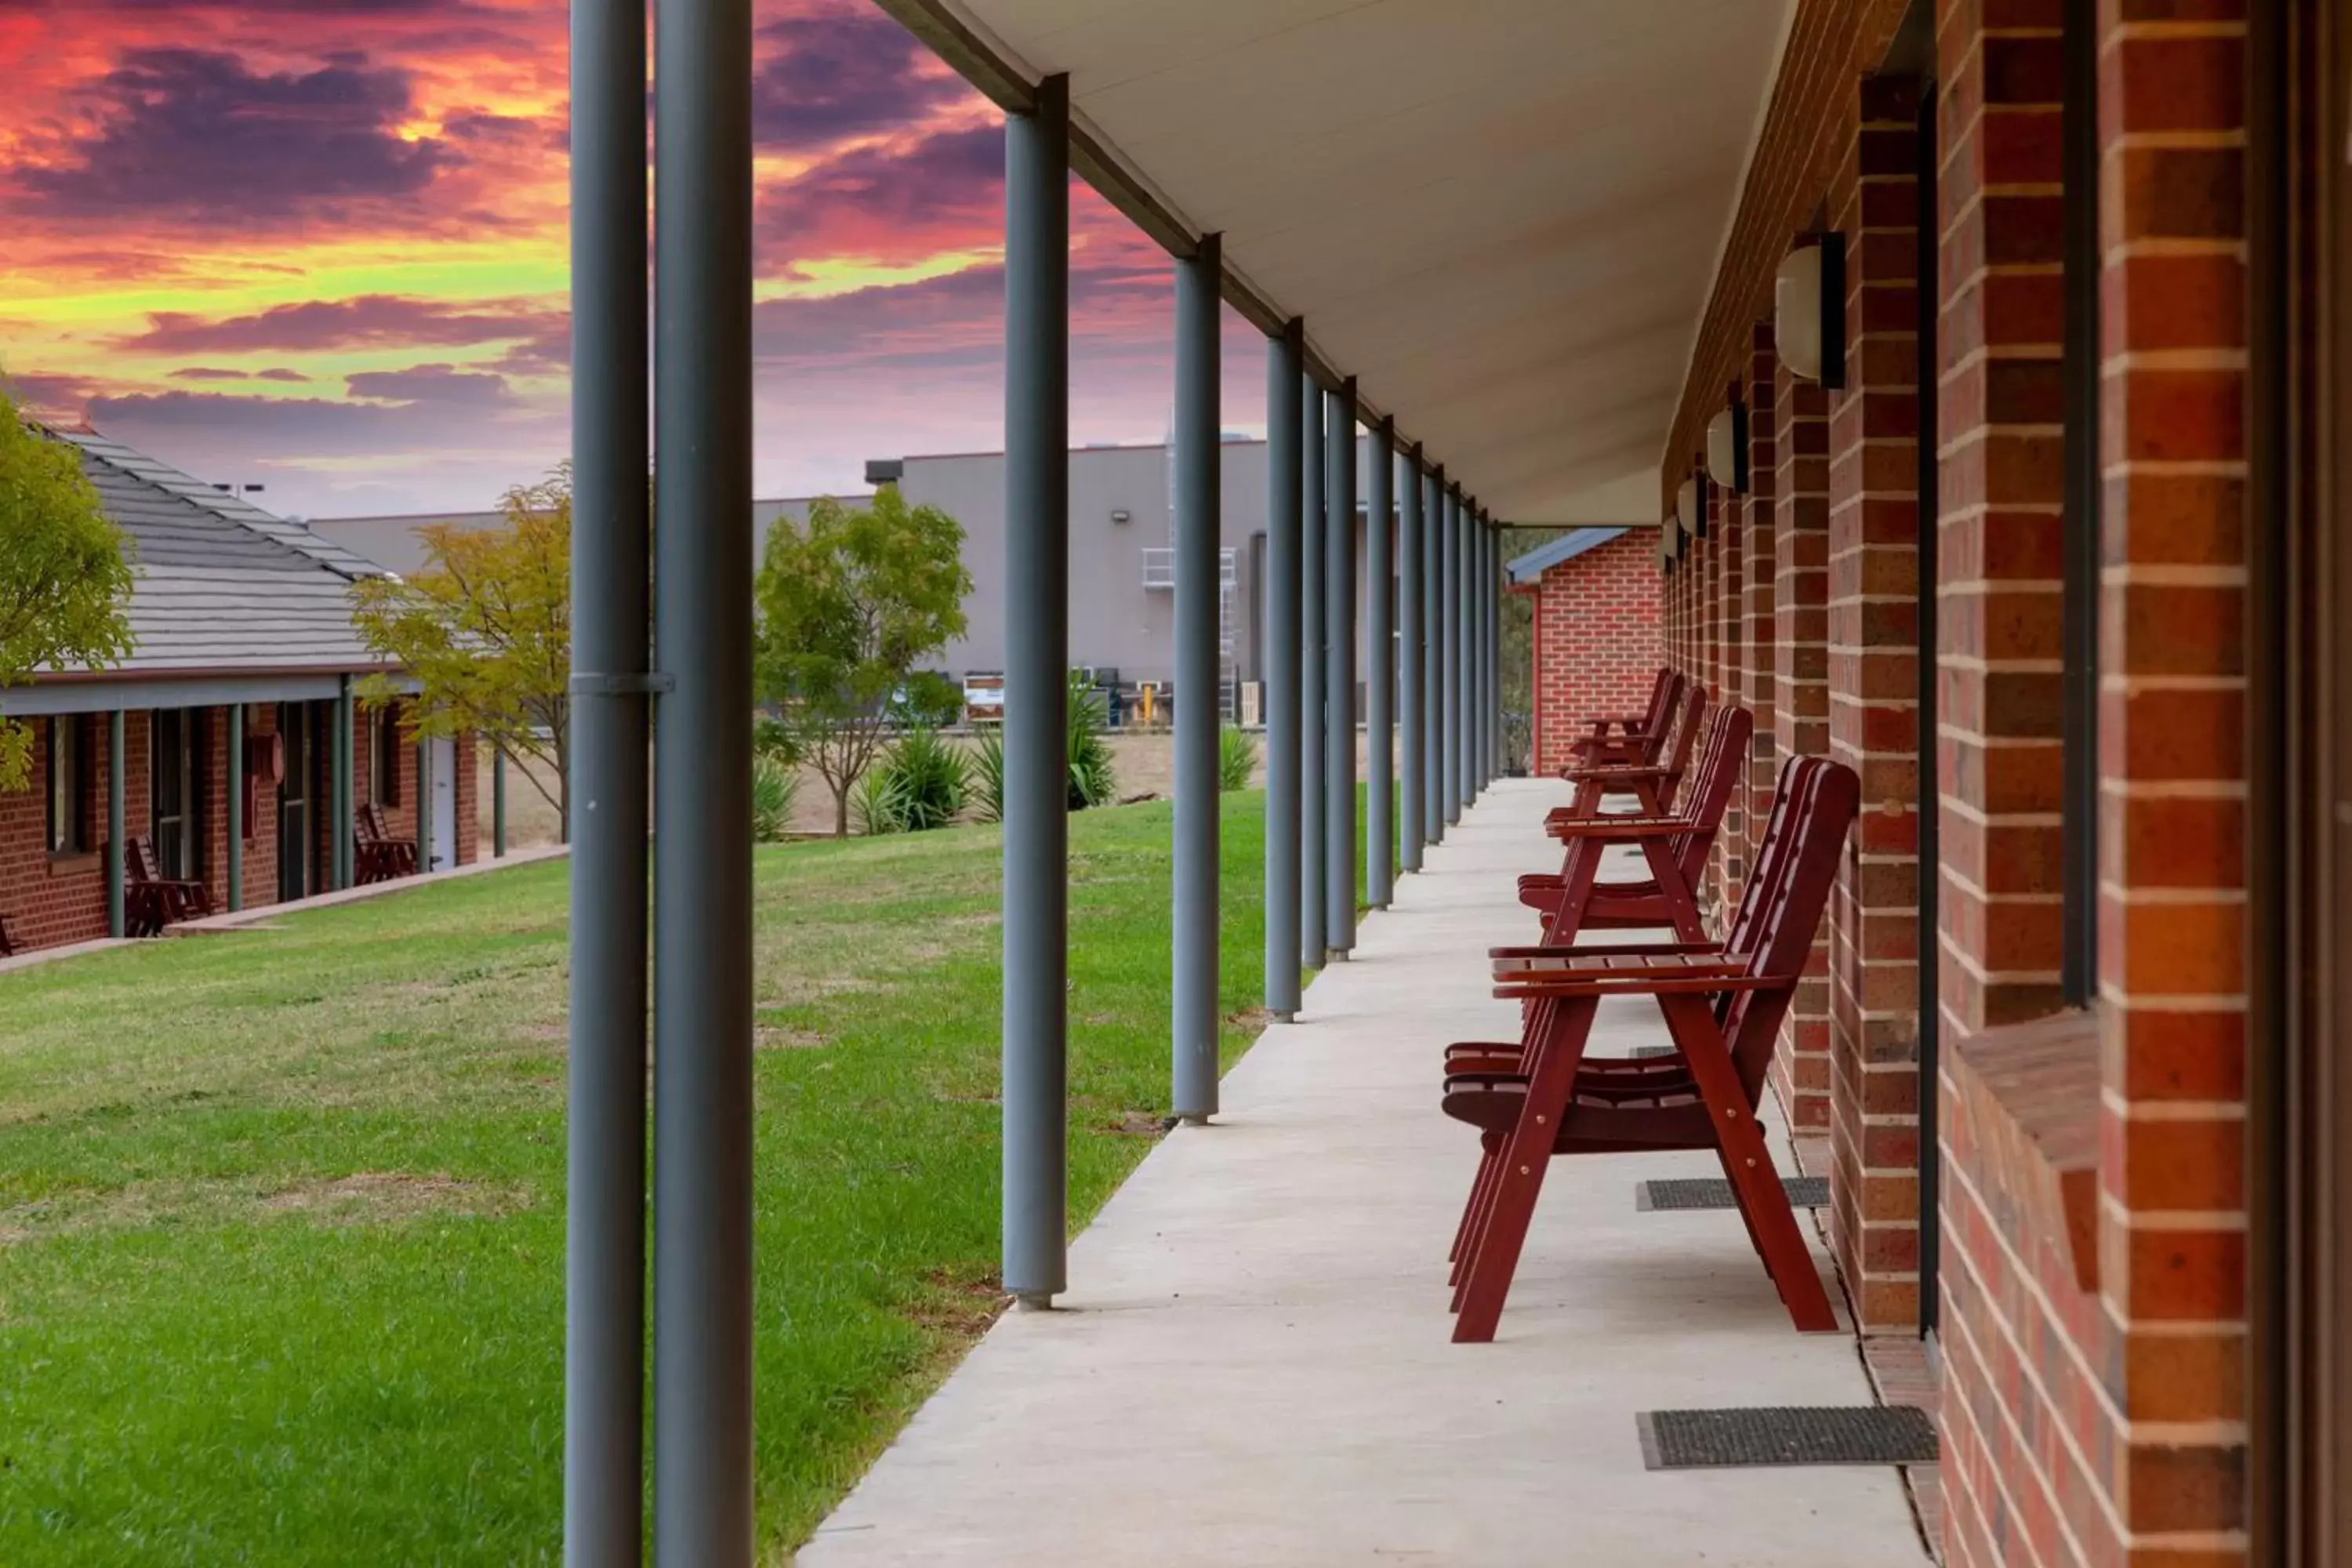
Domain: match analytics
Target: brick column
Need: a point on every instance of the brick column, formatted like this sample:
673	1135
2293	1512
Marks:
2002	447
1801	689
1873	673
2172	973
1730	862
1759	621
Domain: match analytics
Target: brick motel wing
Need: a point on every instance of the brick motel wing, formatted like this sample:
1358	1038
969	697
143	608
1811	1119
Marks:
225	764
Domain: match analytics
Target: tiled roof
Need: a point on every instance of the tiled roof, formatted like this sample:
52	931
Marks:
220	585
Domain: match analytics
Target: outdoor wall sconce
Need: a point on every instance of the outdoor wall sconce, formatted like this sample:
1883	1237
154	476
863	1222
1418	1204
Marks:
1809	311
1726	448
1120	515
1689	510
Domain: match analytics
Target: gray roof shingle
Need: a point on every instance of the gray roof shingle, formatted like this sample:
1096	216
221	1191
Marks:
220	585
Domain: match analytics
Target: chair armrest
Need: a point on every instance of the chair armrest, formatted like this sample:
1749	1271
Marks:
1536	986
1628	828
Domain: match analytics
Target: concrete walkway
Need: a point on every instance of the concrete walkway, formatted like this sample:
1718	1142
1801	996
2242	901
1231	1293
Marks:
1252	1367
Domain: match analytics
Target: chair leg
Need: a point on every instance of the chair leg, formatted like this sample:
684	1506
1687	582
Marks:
1489	1152
1495	1251
1578	873
1682	907
1771	1218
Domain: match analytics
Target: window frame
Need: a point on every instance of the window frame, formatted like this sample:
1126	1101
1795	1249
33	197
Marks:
2080	520
67	742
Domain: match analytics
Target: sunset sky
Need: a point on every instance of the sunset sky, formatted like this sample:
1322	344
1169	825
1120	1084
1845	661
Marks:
320	245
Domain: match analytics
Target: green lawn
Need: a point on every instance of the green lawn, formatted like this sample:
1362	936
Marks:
281	1213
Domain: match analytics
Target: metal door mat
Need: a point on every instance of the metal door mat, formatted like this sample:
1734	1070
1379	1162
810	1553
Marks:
1640	1051
1714	1192
1785	1435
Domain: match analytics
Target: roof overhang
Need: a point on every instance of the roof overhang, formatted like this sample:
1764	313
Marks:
1503	219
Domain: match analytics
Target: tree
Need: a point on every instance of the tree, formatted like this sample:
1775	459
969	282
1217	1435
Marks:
847	605
64	573
485	628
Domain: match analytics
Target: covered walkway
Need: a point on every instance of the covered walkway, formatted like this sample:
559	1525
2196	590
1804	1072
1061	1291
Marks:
1251	1365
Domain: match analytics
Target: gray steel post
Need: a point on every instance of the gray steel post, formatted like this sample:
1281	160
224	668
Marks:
499	802
423	806
1433	659
338	788
1494	650
1379	673
1466	697
1450	652
1479	705
1314	754
1339	670
702	795
236	752
1199	514
1413	704
604	1218
114	760
1284	387
1036	666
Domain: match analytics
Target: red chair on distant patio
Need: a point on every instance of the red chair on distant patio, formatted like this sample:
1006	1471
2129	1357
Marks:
1652	781
1723	1008
1633	727
152	901
1675	845
378	856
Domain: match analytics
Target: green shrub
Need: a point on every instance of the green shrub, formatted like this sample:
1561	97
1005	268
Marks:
775	789
1236	759
988	775
1092	779
928	699
770	737
928	777
874	807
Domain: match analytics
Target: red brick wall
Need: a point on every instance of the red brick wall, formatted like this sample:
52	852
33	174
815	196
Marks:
1800	695
1759	588
1597	641
1874	728
1729	866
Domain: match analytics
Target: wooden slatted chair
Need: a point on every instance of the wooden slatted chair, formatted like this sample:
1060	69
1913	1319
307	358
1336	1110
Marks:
1638	744
1724	1010
1675	845
380	857
1630	725
152	901
1653	782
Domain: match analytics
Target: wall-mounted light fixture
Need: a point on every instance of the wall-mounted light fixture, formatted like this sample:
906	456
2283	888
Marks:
1726	448
1690	511
1809	311
1120	515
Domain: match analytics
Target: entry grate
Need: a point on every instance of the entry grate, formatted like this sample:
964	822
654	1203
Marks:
1785	1435
1714	1192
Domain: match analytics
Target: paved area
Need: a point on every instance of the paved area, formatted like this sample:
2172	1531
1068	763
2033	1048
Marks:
1252	1367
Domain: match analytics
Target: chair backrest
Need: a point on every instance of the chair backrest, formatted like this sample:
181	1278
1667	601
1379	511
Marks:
368	824
138	859
1686	736
1812	812
1707	788
1669	692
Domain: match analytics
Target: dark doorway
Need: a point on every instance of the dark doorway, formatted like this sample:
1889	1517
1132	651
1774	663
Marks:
175	762
294	797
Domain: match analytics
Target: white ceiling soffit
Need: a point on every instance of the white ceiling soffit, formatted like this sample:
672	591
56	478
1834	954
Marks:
1502	216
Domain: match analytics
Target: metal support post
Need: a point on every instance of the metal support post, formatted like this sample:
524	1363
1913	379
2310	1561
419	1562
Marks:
1450	650
236	806
115	749
1199	516
702	798
1412	705
1432	658
1314	754
1380	671
498	803
1283	418
1339	670
1036	666
604	1219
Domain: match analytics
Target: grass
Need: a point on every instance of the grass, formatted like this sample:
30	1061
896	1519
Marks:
281	1213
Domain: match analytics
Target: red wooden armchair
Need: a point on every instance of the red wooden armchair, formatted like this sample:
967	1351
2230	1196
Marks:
149	901
1674	845
1724	1009
1651	782
379	857
1637	742
1630	725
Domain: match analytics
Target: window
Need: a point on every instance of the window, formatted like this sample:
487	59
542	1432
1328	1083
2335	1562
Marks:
383	757
2079	967
68	761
